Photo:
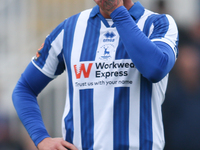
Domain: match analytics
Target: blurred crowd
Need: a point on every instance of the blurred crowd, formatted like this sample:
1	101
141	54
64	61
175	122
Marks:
181	108
13	138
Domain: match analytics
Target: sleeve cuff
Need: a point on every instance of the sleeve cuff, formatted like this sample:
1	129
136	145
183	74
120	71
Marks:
116	12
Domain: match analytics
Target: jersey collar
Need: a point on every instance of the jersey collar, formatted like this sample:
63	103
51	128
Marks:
136	11
95	11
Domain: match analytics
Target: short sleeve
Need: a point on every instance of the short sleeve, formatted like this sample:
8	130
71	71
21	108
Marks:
164	29
49	58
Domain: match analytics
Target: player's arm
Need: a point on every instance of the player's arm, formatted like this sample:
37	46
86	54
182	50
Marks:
46	66
154	60
31	83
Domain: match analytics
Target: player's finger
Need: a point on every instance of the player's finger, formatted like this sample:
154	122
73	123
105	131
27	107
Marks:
68	145
62	148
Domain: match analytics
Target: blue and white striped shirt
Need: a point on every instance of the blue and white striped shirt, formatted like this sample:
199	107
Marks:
113	100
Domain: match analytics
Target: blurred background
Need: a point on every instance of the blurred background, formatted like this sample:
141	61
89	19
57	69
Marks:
24	24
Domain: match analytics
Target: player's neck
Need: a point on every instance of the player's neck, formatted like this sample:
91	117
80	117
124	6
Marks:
127	3
105	15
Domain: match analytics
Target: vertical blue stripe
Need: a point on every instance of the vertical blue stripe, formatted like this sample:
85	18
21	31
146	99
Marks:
121	118
67	48
61	64
161	25
121	52
91	40
146	133
148	24
87	119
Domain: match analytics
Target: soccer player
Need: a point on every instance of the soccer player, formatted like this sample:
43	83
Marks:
117	57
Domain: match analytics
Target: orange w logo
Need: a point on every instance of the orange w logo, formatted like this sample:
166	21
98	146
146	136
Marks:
82	69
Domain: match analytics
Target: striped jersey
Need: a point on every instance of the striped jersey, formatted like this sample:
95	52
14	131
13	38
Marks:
109	104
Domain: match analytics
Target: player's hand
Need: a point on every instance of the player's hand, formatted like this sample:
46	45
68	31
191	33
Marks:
55	144
108	6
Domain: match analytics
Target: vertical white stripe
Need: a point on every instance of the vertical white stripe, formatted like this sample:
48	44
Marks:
112	46
76	52
76	117
51	63
151	30
67	106
104	96
158	95
79	35
103	118
57	44
134	108
172	34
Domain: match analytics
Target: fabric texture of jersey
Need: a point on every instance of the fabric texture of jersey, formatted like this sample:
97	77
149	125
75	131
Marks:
109	104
